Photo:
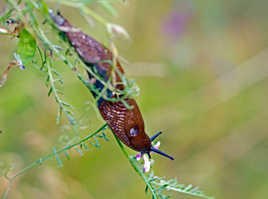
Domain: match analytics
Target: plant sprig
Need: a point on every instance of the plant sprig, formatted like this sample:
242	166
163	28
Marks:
55	154
63	106
158	185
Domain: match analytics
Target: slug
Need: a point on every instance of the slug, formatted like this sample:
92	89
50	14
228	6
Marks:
127	124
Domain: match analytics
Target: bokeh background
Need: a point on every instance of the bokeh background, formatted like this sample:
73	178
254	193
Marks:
202	71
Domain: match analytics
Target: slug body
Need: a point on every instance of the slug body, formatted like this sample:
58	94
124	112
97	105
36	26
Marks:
127	124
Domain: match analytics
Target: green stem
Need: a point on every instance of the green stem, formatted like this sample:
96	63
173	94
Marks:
50	155
135	167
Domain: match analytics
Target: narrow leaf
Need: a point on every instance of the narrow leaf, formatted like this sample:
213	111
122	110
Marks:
57	157
67	155
50	91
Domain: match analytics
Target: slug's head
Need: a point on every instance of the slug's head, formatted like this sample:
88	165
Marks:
153	149
57	18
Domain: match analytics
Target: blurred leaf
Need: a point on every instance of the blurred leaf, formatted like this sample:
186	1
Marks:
107	5
88	1
44	8
71	119
7	15
57	157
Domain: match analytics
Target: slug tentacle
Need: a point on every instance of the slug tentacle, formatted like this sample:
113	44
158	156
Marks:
127	124
155	136
161	153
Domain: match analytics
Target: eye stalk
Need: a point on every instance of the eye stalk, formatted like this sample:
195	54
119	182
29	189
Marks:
153	149
161	153
155	136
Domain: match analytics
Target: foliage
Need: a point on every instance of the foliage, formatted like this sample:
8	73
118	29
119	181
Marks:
35	49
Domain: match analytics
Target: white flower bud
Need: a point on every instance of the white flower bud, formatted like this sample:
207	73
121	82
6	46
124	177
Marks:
117	31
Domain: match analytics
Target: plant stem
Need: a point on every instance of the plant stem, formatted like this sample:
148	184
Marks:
50	155
135	167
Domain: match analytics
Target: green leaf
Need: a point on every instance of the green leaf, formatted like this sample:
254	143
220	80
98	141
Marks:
44	8
59	115
66	104
47	80
85	147
70	118
57	157
26	46
67	155
87	1
50	91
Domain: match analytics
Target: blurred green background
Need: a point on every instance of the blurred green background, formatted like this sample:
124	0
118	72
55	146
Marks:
202	71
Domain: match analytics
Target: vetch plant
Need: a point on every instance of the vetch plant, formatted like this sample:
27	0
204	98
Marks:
147	162
36	50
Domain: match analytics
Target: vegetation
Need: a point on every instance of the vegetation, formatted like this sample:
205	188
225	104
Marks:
36	49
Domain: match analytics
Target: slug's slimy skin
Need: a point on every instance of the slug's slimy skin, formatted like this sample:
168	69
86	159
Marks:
127	124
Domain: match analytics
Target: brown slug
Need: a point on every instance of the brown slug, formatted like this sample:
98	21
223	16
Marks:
127	124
